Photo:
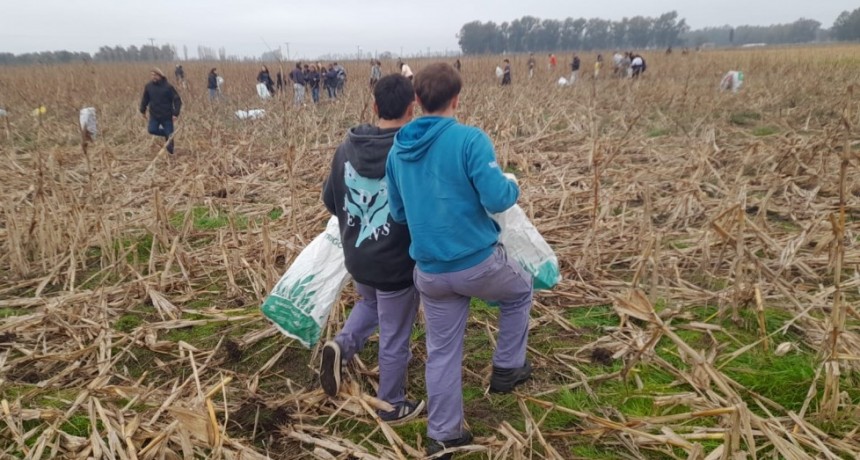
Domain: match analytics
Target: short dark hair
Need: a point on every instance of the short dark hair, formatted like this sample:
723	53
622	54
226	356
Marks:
393	94
436	85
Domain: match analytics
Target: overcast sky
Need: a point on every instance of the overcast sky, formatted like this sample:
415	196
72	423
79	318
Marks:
313	28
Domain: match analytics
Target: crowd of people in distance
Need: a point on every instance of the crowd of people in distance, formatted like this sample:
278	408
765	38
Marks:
626	65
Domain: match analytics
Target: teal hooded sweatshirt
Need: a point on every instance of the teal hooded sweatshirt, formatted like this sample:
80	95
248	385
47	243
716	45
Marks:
443	179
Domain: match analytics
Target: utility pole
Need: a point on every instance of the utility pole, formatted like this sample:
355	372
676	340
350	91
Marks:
288	50
358	52
152	43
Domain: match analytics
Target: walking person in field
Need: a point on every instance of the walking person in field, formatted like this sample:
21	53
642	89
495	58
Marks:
598	65
212	84
314	83
455	244
266	79
164	105
375	72
506	73
637	65
406	71
330	80
531	65
376	252
575	64
553	62
297	76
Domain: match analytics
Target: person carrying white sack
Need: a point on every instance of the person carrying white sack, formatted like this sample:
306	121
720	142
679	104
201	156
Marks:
376	252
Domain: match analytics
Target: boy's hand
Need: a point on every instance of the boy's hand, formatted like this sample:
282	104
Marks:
512	177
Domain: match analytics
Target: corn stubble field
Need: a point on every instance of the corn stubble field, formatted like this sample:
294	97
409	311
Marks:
708	243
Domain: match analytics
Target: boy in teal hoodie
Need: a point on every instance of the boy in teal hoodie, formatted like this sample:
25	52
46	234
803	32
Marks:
444	181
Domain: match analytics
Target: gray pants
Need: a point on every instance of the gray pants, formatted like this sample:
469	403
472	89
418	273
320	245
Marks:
298	94
394	313
446	299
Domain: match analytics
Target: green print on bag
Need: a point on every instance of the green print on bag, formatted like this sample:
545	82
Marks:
300	303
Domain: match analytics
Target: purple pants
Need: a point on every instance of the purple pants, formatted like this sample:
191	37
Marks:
446	299
394	313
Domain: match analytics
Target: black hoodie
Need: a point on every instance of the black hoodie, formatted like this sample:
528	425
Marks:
163	100
375	247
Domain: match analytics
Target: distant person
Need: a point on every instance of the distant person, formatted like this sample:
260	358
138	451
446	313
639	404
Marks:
598	64
376	252
341	78
375	72
313	81
330	81
457	64
531	65
298	79
553	62
575	64
164	105
455	244
506	72
637	66
212	84
406	71
179	73
266	79
618	64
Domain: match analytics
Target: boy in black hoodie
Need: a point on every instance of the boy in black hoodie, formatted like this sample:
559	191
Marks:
164	105
376	251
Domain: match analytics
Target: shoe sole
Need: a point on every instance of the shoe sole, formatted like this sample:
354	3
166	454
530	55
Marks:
412	416
330	370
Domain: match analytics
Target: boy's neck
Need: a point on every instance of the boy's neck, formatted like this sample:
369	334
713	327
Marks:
391	124
447	112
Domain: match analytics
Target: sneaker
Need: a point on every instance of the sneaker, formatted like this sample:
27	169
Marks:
330	368
434	446
170	147
504	380
403	412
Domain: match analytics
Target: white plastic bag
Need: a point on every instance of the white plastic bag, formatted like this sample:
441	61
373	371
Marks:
300	303
562	81
262	91
88	121
252	114
733	80
525	244
3	113
499	73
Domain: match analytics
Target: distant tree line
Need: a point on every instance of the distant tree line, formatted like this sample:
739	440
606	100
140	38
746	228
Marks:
847	26
800	31
533	34
105	53
134	54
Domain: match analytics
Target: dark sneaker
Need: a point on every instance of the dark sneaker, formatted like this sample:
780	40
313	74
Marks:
403	412
330	368
504	380
170	147
434	446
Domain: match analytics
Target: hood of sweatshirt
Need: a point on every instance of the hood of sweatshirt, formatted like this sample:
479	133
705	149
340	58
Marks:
414	140
363	147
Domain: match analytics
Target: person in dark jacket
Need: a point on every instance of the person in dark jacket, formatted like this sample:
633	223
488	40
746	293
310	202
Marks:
506	73
313	81
297	76
266	79
164	105
331	82
212	84
376	252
